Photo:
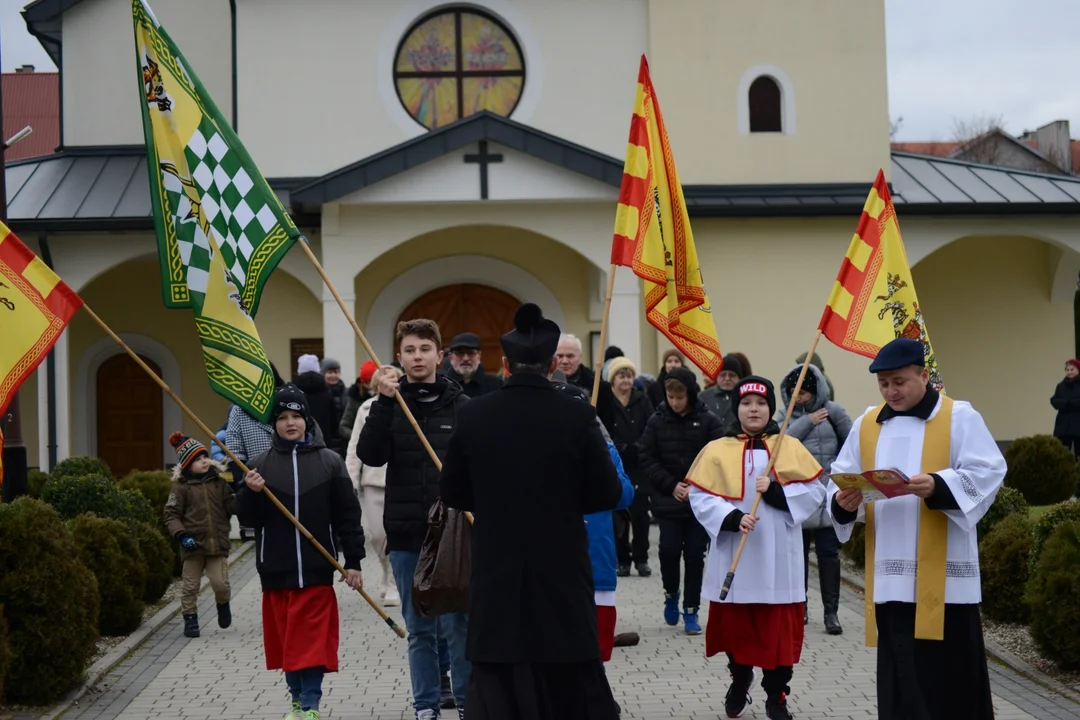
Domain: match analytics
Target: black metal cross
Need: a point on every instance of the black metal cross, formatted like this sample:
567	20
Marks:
483	158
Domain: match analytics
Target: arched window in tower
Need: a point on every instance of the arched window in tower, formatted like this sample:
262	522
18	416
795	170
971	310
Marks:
456	62
766	105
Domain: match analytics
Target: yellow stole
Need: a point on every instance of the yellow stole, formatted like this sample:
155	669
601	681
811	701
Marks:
933	527
719	467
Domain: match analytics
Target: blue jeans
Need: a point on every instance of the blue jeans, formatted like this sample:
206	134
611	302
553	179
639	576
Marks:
424	633
444	652
306	686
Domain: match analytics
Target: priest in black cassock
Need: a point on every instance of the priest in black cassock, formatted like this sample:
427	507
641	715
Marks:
922	551
530	462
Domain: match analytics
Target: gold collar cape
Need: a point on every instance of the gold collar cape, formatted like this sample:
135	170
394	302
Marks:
719	468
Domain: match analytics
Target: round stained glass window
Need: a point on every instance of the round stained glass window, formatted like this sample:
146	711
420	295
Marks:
455	63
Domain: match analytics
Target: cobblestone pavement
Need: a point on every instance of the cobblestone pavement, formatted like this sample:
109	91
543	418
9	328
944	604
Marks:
222	675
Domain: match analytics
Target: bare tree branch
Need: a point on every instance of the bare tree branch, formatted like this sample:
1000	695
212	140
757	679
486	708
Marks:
974	136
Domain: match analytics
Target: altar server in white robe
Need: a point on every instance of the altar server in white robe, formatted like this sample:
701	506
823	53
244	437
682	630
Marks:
922	554
760	623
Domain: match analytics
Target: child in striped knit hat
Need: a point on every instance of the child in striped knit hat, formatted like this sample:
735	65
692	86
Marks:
197	515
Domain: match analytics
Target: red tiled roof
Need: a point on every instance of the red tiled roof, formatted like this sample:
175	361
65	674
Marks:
31	98
938	149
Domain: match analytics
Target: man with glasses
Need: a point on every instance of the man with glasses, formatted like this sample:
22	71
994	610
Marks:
466	368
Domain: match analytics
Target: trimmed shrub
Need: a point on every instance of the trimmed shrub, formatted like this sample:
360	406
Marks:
1053	594
1004	555
1067	511
50	602
1008	501
855	548
35	481
155	486
1041	468
82	465
107	547
74	495
5	651
158	557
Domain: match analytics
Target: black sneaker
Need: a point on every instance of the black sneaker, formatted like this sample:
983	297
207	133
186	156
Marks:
643	569
623	571
224	615
738	696
191	625
778	710
446	694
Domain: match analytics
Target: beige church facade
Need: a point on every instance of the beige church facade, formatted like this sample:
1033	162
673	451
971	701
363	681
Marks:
455	159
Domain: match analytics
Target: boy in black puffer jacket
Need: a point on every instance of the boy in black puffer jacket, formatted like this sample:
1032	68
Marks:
673	437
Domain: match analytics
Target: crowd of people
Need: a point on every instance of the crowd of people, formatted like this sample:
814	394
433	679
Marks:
564	496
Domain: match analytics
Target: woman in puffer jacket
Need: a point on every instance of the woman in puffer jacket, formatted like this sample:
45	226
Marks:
822	426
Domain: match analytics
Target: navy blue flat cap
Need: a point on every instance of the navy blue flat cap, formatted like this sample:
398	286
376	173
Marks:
900	353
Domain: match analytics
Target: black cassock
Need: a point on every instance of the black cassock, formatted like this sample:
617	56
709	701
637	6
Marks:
932	679
530	462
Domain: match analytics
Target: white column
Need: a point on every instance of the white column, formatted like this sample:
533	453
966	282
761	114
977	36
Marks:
63	398
42	375
339	339
624	324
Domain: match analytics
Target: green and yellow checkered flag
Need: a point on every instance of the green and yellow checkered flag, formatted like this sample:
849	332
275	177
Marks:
221	230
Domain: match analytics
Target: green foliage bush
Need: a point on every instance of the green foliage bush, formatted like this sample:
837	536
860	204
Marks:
1053	594
855	548
35	482
1004	556
82	465
1008	501
155	486
1067	511
50	602
5	651
158	557
107	547
1041	468
74	495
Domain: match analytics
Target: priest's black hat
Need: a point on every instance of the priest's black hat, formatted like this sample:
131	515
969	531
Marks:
900	353
534	339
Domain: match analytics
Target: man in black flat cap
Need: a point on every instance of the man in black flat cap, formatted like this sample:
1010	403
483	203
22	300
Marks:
530	462
922	552
466	366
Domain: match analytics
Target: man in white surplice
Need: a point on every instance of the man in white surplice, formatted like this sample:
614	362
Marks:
922	554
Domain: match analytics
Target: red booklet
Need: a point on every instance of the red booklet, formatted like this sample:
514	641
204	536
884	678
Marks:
873	482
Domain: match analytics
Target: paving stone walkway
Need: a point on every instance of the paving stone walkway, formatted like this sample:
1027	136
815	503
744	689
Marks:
221	675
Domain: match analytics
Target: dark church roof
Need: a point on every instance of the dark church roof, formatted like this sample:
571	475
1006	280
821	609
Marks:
107	188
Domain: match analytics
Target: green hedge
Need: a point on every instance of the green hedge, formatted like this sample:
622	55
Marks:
158	557
82	465
35	482
74	495
1004	557
1008	501
5	651
1041	468
50	602
1053	595
1067	511
107	547
155	486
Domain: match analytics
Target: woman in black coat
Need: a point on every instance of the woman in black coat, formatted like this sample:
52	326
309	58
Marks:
1066	401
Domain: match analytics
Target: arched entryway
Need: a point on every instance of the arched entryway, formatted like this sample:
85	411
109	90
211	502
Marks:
129	415
469	307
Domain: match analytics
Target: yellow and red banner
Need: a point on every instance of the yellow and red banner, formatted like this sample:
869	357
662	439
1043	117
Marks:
35	307
873	300
653	236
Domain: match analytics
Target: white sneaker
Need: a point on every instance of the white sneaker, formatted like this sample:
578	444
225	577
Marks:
427	715
391	598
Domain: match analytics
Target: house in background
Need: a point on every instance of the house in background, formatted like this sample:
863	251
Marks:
1049	149
452	160
31	98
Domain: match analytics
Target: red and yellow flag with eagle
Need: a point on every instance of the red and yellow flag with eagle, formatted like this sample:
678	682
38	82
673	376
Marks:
653	237
35	307
873	300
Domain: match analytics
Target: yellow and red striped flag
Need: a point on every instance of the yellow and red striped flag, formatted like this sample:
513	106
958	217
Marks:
873	300
653	236
35	307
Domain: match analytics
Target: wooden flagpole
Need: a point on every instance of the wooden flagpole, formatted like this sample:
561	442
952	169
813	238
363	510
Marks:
603	332
772	460
266	491
374	358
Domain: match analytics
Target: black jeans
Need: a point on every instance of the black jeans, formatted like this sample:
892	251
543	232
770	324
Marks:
826	543
683	539
636	520
1073	443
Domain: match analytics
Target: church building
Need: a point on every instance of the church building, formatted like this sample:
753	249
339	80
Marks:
452	160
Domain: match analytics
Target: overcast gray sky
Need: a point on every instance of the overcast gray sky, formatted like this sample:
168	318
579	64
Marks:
948	60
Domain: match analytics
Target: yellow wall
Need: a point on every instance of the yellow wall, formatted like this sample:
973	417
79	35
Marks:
832	50
28	413
562	270
1000	341
128	299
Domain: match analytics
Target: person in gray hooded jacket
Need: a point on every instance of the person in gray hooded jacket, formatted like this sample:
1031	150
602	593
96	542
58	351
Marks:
822	426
